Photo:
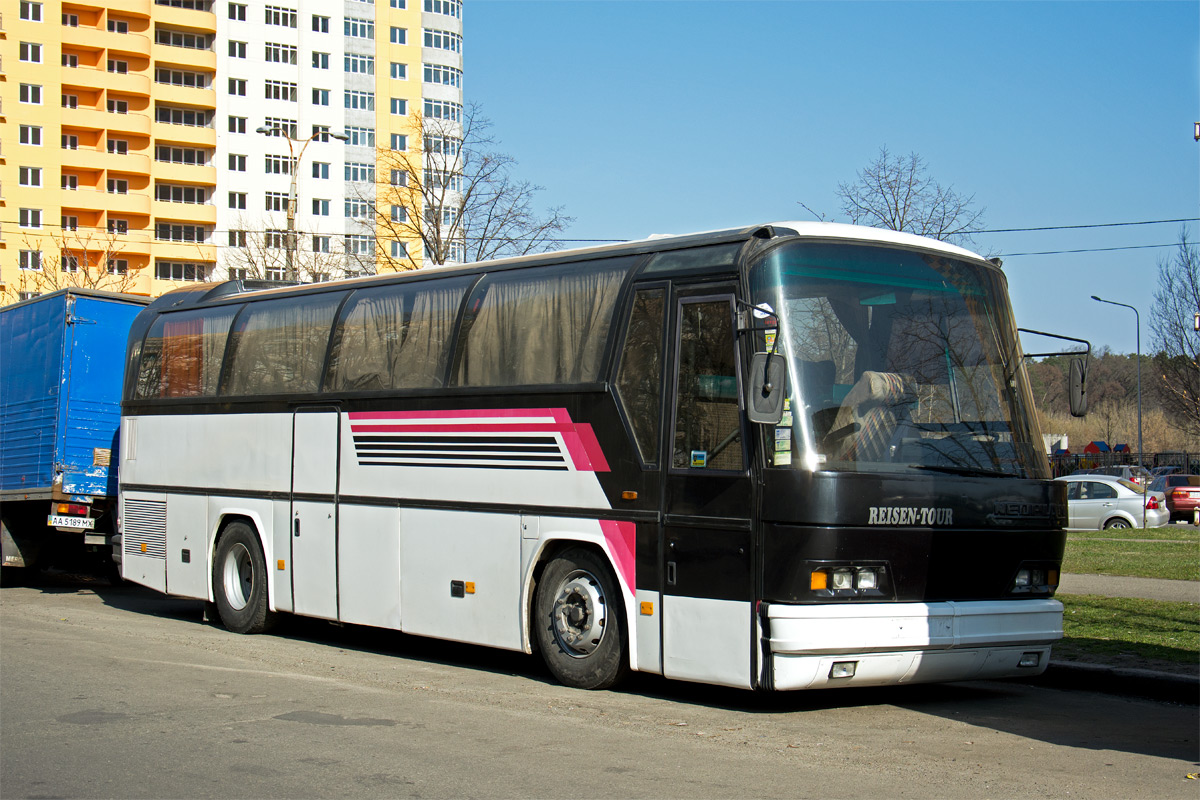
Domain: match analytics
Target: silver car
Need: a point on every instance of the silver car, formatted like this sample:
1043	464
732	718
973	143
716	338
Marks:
1100	501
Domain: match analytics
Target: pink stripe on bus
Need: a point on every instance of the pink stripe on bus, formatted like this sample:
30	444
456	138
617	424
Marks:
621	538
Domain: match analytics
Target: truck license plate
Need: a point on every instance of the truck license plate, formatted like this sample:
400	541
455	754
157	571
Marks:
80	523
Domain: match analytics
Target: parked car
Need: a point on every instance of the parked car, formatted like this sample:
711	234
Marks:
1182	493
1130	472
1158	472
1102	501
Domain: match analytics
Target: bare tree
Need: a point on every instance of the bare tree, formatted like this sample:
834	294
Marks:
260	253
1175	340
86	258
450	196
896	192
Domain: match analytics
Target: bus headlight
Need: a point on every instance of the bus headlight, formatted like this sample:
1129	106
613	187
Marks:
1035	579
848	580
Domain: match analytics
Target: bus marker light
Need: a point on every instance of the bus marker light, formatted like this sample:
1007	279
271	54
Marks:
843	669
818	580
1053	579
282	564
143	547
647	609
469	587
629	495
1030	660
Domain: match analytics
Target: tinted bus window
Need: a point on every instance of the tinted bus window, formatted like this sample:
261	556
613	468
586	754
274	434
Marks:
540	326
279	346
639	380
182	354
396	337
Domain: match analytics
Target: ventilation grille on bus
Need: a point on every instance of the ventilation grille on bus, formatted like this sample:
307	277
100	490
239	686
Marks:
144	528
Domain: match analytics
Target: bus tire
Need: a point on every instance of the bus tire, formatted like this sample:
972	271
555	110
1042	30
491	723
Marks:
239	579
579	621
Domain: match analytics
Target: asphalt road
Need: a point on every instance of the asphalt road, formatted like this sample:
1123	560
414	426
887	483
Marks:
120	692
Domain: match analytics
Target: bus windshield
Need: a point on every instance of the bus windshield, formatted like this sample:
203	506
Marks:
898	361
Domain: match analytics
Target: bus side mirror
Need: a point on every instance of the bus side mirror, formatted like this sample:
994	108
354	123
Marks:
766	388
1077	393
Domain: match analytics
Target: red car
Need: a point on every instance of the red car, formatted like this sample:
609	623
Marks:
1183	494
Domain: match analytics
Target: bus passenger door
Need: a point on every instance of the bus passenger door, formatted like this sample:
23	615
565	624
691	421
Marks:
707	546
315	449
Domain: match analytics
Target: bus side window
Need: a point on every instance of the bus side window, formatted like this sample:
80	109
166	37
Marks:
182	354
639	379
279	345
395	337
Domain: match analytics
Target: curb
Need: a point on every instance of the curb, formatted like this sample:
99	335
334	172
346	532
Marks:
1146	683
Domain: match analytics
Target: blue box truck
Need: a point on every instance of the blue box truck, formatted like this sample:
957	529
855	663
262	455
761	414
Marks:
62	361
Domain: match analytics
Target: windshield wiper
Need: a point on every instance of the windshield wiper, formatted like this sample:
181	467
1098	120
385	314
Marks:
974	471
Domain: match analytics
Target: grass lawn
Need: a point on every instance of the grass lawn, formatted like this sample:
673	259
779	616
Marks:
1137	633
1169	552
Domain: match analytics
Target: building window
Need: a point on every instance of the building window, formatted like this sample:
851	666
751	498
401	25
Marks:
118	186
31	93
70	223
237	86
356	171
364	101
320	97
360	244
322	244
180	271
278	165
118	226
237	124
118	266
70	60
194	117
442	75
68	263
320	60
237	239
237	11
30	134
169	193
118	26
399	106
181	155
443	109
399	35
275	239
237	163
280	90
400	4
443	145
70	141
29	176
399	214
280	53
29	218
180	232
450	8
399	72
399	249
70	101
118	106
117	66
320	207
320	24
237	49
320	133
398	177
359	28
69	182
359	64
398	141
31	12
277	15
191	41
276	201
280	126
118	147
361	137
443	40
360	209
30	259
180	77
237	200
31	52
320	169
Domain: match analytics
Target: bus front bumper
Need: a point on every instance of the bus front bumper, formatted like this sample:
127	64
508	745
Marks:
827	646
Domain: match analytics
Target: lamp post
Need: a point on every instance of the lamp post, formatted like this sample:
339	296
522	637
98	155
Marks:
1137	318
290	248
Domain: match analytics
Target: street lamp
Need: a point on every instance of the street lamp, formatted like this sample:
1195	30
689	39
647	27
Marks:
294	160
1137	318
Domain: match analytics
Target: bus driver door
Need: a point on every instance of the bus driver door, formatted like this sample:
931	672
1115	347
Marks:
707	547
315	456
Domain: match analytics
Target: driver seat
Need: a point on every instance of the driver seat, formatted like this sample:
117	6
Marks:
873	409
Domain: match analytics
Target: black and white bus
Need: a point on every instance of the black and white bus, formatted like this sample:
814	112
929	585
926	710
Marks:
787	456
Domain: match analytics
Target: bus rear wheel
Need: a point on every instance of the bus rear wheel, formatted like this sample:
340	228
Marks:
240	581
579	621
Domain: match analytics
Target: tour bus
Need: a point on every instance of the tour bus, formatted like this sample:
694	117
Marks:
786	456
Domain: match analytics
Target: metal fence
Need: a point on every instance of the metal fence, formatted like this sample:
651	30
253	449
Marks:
1067	464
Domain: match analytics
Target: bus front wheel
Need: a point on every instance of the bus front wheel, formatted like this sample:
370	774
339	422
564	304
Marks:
240	581
579	622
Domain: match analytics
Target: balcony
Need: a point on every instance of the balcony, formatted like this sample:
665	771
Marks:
186	18
89	158
184	251
199	60
164	132
185	95
171	172
103	120
126	8
88	38
135	203
94	79
191	213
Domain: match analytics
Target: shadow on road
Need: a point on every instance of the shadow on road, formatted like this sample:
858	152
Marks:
1016	708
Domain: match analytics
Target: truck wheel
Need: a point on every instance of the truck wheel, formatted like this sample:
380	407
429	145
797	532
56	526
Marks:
240	581
579	621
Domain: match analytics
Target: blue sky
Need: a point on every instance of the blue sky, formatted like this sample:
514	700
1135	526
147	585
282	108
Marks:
669	117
